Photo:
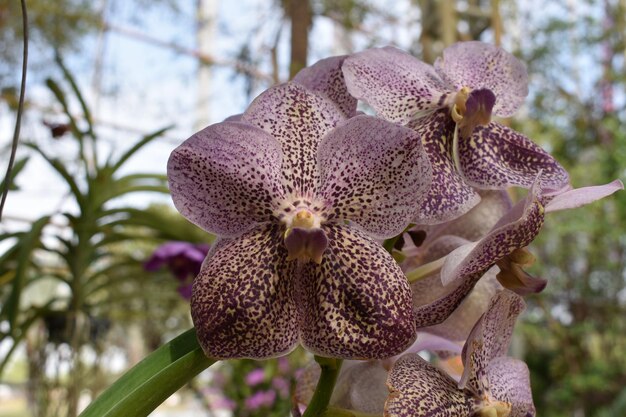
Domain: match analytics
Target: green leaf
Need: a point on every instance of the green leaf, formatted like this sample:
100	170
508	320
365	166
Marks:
102	193
17	167
144	141
79	96
63	172
28	242
140	390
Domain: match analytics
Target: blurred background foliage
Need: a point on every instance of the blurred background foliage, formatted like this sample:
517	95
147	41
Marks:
75	296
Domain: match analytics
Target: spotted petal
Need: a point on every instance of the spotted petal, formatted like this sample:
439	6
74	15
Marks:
467	264
481	65
495	156
356	304
490	338
417	388
396	85
242	305
514	230
298	119
326	78
449	196
509	381
459	324
373	172
226	177
474	224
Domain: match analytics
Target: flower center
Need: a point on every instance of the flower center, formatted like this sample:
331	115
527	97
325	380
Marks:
305	240
471	108
493	409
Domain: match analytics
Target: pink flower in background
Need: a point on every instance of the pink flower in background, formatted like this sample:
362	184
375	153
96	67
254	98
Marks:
255	377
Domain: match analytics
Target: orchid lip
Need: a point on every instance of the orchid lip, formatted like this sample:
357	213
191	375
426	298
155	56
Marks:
304	237
470	108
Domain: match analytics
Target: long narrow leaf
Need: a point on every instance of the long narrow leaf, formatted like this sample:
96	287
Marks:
17	167
29	242
152	380
62	171
79	96
144	141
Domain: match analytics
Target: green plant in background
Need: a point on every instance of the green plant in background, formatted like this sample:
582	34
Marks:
88	262
578	110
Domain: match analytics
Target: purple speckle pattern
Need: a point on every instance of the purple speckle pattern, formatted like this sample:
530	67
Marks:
395	84
372	173
495	156
298	119
249	300
325	78
449	196
226	177
490	338
357	303
417	388
481	65
458	326
509	381
515	230
242	304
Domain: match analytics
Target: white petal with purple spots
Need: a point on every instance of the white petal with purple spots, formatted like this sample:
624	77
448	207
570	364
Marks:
356	304
226	177
398	86
298	119
373	173
481	65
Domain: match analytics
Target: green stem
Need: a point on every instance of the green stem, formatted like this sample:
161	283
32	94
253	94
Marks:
325	386
425	270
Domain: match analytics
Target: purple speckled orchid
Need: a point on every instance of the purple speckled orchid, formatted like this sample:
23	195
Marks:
440	241
297	193
450	106
361	385
503	246
492	384
183	259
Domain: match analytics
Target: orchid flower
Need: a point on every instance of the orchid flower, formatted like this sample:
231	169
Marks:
361	385
450	105
492	384
297	193
503	246
440	241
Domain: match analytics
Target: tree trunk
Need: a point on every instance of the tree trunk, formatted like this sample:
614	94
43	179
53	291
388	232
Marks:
299	12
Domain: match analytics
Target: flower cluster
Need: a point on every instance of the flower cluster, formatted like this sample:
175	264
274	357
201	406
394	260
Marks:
301	190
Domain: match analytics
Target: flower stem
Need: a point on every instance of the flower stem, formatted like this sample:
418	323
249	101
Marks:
425	270
325	386
342	412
